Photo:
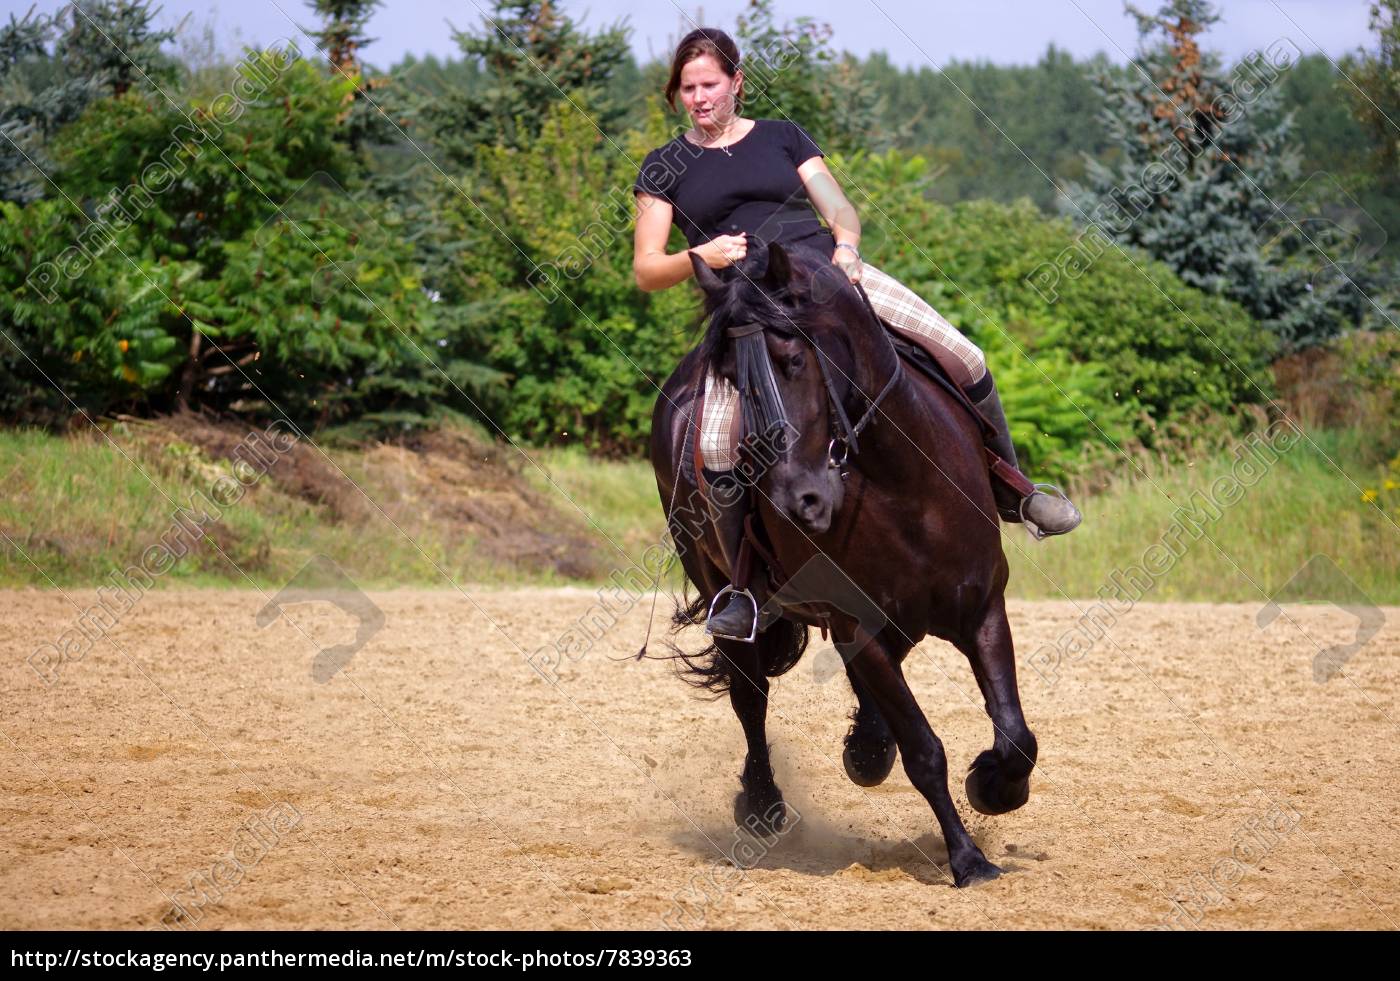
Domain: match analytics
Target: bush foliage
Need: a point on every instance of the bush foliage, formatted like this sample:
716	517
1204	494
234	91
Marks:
336	251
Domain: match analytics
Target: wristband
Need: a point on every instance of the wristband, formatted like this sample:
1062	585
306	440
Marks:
847	245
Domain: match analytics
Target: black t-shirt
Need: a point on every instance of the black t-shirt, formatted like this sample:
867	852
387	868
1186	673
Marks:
754	188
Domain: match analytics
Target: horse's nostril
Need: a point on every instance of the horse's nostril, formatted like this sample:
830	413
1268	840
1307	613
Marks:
810	503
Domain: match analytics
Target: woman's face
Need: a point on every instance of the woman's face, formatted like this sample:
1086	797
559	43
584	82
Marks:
708	93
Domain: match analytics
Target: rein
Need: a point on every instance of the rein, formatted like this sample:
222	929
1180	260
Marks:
849	434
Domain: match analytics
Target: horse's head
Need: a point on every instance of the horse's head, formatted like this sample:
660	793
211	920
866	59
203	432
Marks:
773	321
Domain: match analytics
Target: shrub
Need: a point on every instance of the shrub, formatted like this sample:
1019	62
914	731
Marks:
1106	358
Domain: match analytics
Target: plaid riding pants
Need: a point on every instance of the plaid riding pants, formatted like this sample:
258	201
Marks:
901	309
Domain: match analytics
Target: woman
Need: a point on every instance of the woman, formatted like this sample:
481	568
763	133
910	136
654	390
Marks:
729	179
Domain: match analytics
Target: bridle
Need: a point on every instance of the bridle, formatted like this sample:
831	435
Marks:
845	435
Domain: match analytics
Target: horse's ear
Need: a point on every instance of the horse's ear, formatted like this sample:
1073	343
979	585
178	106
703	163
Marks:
779	271
707	278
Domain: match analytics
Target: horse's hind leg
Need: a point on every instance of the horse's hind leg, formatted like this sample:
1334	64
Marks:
924	759
759	805
999	780
870	745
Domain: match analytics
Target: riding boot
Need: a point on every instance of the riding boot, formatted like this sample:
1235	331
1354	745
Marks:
735	615
1045	514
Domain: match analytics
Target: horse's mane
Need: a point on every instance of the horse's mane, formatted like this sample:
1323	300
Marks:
788	310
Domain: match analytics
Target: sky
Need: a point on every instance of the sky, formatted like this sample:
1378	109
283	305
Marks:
914	33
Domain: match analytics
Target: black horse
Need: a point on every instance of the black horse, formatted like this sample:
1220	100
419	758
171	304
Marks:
885	530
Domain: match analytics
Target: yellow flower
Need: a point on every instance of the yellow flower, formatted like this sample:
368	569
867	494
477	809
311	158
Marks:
124	345
1369	496
1391	484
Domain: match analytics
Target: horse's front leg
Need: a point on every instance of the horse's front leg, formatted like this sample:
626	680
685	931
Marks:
999	780
759	805
924	760
870	749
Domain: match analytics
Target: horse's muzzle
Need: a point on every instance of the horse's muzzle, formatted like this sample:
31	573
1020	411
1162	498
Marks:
811	502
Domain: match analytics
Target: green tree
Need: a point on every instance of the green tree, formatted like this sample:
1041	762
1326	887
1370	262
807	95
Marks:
792	72
31	106
229	263
365	124
1376	98
1337	146
1204	159
342	31
71	343
997	131
584	348
115	41
52	68
532	56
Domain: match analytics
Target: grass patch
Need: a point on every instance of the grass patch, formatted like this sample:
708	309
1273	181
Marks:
1312	502
618	497
78	508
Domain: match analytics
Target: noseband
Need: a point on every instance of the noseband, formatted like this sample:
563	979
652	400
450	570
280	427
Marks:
845	435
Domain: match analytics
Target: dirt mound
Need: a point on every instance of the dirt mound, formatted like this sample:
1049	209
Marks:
467	491
477	491
303	471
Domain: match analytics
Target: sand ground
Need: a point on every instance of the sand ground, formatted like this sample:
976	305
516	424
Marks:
1192	772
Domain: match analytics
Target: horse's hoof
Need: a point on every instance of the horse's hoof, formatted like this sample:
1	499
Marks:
975	872
988	792
867	762
765	821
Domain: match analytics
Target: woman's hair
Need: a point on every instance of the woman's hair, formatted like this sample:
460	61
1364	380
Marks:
698	43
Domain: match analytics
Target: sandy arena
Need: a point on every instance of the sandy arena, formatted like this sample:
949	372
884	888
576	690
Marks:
1192	773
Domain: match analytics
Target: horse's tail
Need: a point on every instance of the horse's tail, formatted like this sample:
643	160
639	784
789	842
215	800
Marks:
780	648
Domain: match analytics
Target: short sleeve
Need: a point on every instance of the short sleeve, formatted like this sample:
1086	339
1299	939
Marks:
656	177
800	146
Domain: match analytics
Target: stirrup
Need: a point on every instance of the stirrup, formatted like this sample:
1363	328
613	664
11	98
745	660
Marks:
1033	528
753	631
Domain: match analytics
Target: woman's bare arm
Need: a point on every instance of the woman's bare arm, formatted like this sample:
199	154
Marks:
654	269
830	201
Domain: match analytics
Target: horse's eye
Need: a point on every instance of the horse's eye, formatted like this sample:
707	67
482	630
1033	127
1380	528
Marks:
795	363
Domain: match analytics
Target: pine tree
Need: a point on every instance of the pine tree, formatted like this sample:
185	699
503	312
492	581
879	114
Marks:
342	33
792	72
1205	161
533	56
53	68
1376	95
115	41
365	121
24	117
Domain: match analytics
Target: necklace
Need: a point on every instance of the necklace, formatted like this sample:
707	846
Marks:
724	149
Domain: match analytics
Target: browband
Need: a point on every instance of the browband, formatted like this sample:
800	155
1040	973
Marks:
744	330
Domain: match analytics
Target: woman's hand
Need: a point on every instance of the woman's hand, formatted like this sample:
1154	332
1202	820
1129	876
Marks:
723	250
848	262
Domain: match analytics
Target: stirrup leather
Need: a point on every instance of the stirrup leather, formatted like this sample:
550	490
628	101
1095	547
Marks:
714	603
